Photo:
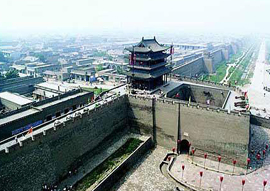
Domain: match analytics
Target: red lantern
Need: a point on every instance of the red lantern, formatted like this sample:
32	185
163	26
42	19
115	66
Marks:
173	149
243	182
183	167
219	158
201	173
264	182
205	155
264	152
248	160
221	178
234	162
258	156
266	146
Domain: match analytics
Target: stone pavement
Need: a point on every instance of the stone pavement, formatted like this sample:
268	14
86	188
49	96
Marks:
210	180
146	176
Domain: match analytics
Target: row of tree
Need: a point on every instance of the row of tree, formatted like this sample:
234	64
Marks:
10	74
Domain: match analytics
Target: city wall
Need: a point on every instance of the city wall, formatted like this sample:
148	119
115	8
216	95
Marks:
205	64
260	121
191	68
53	152
212	130
22	85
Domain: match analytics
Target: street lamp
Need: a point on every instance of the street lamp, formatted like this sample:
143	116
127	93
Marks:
205	156
243	183
258	158
201	174
193	152
264	184
221	180
248	161
183	168
234	163
219	159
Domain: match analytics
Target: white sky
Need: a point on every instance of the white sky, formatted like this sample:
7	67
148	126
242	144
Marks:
93	16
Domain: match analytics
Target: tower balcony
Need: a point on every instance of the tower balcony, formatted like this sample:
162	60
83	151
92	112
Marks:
144	66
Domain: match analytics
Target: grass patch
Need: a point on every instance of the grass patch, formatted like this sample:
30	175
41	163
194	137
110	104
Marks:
220	73
96	90
101	171
221	70
236	77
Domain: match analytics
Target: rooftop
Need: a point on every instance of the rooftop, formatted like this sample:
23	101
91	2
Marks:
37	109
148	45
17	99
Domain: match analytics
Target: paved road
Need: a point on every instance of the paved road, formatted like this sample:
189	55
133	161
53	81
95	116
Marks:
145	175
258	97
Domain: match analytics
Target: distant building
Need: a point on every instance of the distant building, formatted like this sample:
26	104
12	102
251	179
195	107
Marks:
86	73
39	67
58	75
86	61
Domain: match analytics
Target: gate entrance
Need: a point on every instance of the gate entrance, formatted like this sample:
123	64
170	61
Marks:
184	147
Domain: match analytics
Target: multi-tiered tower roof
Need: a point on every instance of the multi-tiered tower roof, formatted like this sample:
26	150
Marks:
147	69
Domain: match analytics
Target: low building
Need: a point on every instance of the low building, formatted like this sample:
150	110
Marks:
86	73
58	75
85	61
19	68
39	67
48	90
43	111
13	101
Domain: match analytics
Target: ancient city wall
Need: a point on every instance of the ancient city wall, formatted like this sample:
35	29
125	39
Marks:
55	151
191	68
260	121
215	131
20	85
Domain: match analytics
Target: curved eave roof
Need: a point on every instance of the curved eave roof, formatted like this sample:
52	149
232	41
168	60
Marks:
146	50
148	45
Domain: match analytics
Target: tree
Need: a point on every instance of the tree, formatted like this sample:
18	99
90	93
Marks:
99	67
12	74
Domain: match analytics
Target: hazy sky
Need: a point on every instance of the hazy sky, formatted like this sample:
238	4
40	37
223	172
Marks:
93	16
